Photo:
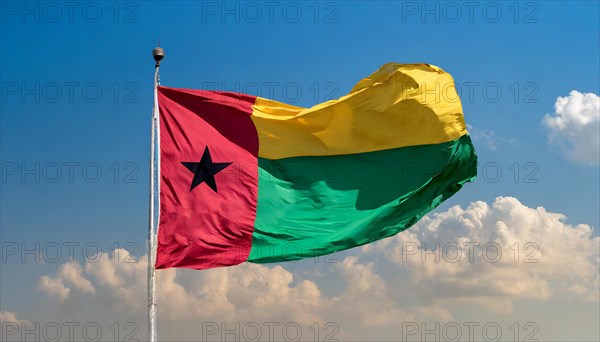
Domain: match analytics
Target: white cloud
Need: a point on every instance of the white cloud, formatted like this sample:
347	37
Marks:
54	287
574	127
369	292
11	317
244	293
542	257
69	275
364	299
488	138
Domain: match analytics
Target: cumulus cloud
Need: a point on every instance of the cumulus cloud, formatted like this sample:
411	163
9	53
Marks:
516	252
244	293
54	287
574	127
492	255
69	276
11	317
71	273
369	292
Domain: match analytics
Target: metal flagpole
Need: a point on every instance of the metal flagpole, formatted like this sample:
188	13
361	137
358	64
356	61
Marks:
158	54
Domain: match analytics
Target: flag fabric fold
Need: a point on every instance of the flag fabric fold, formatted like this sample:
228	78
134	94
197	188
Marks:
245	178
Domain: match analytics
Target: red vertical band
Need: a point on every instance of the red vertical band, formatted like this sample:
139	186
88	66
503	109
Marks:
202	228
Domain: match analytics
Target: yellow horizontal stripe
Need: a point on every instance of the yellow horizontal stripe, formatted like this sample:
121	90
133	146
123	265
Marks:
398	105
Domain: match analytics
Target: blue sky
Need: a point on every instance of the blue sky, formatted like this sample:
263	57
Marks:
77	93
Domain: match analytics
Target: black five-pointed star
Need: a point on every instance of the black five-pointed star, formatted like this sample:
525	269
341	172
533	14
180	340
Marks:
205	170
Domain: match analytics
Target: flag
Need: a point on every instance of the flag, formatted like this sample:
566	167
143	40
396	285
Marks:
245	178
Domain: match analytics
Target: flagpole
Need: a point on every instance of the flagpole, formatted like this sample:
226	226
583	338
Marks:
158	54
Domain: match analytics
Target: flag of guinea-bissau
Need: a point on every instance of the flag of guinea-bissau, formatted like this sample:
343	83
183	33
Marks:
245	178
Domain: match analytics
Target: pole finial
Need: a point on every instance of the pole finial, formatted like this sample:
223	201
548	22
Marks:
158	53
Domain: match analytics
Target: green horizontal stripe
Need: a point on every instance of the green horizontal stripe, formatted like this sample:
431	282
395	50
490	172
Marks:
311	206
